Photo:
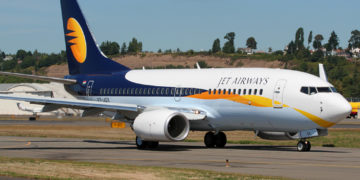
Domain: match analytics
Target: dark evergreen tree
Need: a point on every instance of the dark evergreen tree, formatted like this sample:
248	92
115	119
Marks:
216	46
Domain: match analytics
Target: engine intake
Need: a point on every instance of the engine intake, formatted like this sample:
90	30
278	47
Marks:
161	125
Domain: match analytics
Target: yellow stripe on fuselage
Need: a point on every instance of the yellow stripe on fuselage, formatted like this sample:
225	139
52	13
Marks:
259	101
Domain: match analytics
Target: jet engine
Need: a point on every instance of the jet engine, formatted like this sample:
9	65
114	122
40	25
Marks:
278	135
161	125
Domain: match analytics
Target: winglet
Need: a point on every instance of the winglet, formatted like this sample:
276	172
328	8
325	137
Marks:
322	73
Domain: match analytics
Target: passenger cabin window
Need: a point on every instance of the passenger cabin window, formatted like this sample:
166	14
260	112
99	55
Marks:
209	91
250	91
219	91
120	91
255	91
224	91
214	92
239	91
101	91
140	91
229	91
261	91
244	92
234	91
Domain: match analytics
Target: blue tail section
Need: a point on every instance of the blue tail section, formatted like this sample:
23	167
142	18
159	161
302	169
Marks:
83	54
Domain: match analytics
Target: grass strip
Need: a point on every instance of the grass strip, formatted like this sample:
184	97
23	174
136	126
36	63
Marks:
61	169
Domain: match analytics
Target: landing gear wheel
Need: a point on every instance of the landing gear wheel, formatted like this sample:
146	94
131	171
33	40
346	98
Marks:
209	140
140	144
153	144
304	145
220	140
301	146
308	145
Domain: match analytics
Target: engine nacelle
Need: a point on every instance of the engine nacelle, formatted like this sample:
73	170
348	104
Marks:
278	135
161	125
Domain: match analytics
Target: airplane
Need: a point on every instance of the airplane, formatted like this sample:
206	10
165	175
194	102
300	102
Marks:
164	105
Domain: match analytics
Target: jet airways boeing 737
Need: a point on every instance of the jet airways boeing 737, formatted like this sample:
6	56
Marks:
164	105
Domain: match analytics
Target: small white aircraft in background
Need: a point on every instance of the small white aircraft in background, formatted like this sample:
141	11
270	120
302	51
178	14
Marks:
164	105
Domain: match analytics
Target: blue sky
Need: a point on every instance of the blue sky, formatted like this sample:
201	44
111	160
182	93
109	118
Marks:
184	24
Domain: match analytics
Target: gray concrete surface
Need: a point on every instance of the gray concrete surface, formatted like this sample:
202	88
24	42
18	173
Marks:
320	163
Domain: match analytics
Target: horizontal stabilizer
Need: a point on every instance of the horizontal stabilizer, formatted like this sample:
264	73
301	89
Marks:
42	78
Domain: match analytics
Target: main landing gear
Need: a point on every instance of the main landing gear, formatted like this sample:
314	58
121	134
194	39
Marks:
215	140
141	144
304	145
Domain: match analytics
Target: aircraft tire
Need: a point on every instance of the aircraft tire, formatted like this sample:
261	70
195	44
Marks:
209	140
220	140
308	145
301	146
140	144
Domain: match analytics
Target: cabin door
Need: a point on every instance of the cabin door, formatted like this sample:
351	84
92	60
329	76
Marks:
89	87
279	93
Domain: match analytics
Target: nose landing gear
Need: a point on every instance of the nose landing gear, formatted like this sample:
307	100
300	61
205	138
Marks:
303	145
215	140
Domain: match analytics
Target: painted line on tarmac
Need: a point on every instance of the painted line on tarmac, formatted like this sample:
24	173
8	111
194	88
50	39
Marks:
237	162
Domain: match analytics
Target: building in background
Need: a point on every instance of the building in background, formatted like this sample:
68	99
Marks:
55	90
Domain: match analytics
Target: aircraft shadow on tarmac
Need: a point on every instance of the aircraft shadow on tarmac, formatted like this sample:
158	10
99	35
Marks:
161	147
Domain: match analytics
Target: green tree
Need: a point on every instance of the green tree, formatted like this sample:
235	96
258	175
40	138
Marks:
21	54
251	43
291	48
134	46
123	49
310	38
9	65
299	39
110	48
216	46
333	42
229	46
317	41
354	41
159	51
27	62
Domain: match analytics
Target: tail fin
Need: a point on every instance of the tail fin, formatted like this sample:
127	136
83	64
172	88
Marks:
83	54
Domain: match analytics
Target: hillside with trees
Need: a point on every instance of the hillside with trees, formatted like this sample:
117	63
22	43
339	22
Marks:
342	65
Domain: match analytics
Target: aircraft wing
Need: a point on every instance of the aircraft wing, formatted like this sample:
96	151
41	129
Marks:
95	107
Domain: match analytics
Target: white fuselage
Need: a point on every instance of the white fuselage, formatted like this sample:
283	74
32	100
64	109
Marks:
278	104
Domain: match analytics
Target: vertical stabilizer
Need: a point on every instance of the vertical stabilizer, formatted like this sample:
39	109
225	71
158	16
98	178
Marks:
83	54
322	73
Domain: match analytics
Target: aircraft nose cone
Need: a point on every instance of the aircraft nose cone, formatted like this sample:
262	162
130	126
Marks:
341	109
345	108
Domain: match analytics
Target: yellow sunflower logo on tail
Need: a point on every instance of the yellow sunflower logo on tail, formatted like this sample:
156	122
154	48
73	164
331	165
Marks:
78	43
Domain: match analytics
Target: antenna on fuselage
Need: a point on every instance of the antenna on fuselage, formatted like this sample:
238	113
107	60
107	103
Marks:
322	73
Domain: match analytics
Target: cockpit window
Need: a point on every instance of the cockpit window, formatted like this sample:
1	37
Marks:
304	90
333	89
312	90
323	89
